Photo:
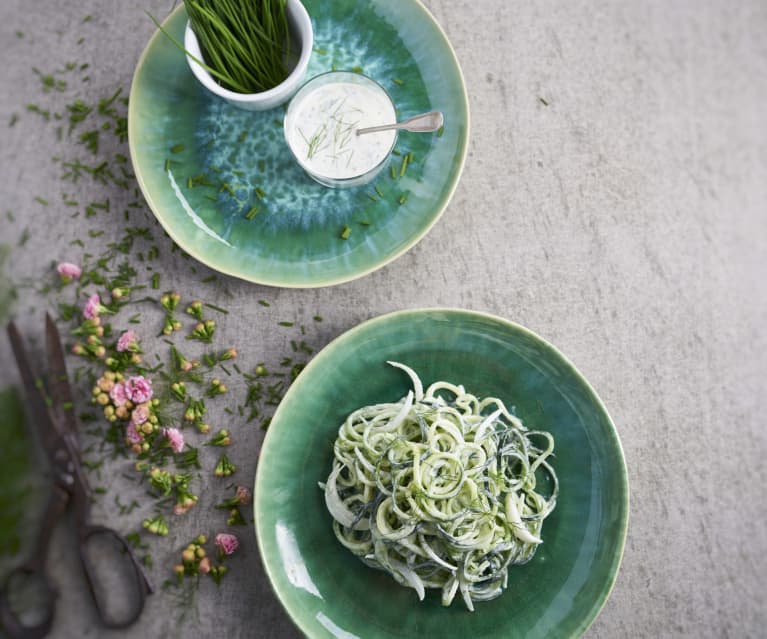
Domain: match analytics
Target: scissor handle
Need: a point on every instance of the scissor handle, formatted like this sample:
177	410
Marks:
35	566
137	574
10	622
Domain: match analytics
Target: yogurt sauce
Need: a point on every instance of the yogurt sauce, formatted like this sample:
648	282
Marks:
323	135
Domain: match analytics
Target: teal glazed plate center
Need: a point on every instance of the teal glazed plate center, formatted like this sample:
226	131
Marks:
329	593
224	185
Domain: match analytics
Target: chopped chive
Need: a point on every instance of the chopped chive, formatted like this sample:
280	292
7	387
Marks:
261	165
410	157
14	119
167	165
264	303
189	183
380	193
320	51
357	69
393	172
397	81
403	167
41	200
260	193
242	137
440	131
317	318
345	233
285	323
543	101
216	308
402	198
396	152
156	281
177	148
372	197
277	122
252	213
364	222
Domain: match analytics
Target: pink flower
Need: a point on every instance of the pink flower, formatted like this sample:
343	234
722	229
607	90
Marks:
139	389
175	439
92	307
127	342
118	394
69	271
243	495
204	565
227	543
131	434
140	414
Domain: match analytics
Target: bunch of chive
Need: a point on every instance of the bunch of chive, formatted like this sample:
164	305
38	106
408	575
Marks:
245	43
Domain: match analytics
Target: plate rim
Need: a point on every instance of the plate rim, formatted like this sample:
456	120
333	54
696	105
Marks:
276	281
333	345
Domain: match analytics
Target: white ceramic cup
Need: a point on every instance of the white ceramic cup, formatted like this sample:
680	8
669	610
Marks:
300	26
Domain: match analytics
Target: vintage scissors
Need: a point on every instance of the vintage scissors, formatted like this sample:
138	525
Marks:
51	410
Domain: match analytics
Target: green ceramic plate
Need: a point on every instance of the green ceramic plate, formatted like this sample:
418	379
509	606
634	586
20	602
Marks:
330	593
293	240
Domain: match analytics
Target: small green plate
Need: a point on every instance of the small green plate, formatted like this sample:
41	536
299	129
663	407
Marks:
329	593
293	240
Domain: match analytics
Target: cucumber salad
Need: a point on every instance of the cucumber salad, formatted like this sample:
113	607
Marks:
439	490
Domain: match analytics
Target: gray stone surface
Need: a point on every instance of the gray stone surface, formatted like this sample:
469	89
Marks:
625	222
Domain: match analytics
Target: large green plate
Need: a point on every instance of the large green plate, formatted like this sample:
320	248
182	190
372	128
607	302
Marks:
293	240
330	593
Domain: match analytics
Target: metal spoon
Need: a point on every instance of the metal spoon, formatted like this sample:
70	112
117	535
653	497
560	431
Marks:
423	123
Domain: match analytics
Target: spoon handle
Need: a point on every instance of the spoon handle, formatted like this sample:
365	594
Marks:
423	123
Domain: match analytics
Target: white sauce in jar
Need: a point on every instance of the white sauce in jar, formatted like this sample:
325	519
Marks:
322	131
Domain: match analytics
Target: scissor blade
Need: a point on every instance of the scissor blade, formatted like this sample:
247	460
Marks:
35	392
58	382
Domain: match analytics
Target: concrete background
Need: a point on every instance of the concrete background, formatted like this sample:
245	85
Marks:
625	223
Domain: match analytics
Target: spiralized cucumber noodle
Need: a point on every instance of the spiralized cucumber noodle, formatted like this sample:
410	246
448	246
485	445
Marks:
439	490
